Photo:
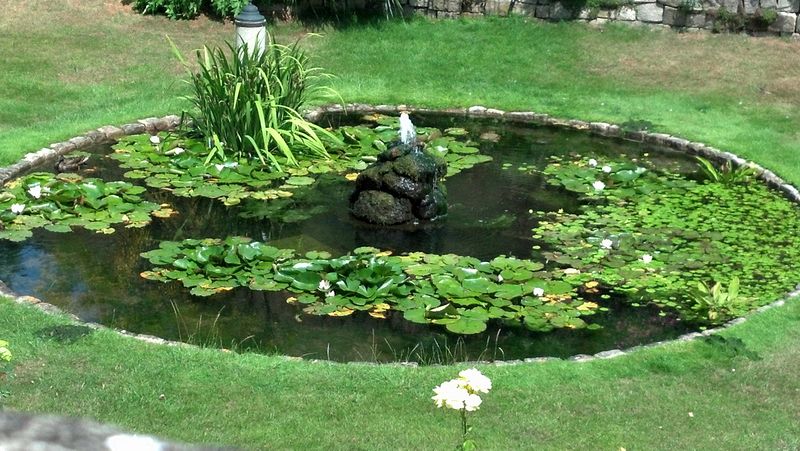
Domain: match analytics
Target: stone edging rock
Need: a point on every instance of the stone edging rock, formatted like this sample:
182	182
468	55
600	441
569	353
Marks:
153	125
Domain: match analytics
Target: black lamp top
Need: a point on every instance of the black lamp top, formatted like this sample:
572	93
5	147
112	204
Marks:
249	17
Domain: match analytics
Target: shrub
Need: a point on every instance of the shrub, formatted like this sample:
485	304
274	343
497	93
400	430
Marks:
188	9
174	9
247	107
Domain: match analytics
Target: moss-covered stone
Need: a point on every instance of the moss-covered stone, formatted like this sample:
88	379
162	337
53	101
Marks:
379	207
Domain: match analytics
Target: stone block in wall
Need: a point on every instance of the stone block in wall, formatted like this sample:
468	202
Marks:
649	12
560	12
497	7
446	5
696	20
626	13
730	5
672	3
749	7
587	14
543	11
768	4
674	17
418	3
784	23
524	8
789	6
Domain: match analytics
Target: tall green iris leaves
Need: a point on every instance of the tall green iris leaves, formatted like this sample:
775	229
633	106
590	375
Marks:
247	105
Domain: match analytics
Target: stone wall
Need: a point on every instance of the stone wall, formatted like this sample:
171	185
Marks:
776	17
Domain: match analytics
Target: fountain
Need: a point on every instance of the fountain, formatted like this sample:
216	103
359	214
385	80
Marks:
403	186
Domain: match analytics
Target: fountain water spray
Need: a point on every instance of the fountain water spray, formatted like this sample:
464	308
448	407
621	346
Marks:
408	135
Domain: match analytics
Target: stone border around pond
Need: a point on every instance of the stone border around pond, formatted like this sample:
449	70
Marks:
109	133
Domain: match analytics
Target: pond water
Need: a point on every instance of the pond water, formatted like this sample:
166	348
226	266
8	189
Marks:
96	276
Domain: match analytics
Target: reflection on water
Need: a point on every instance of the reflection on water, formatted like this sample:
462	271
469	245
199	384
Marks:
97	276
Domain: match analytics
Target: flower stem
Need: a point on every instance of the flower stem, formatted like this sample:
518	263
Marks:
464	425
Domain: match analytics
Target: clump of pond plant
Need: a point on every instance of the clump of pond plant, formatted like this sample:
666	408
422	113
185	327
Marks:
460	293
659	238
247	105
59	202
177	163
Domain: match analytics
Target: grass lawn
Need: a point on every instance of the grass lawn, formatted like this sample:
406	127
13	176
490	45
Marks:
92	62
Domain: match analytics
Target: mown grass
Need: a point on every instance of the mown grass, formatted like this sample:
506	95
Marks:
737	400
92	62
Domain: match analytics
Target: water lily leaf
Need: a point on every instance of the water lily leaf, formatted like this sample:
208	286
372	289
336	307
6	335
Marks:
466	326
300	181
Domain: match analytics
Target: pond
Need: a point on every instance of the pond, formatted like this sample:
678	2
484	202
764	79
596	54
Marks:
493	208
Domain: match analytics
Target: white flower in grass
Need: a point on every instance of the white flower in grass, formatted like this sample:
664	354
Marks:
606	244
17	208
538	292
324	285
451	394
606	169
155	140
35	191
472	403
647	258
476	381
592	162
598	185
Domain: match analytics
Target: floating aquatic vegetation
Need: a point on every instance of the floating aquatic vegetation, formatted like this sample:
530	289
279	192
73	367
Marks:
460	293
60	202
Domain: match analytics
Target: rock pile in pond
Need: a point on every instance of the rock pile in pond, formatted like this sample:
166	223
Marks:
404	185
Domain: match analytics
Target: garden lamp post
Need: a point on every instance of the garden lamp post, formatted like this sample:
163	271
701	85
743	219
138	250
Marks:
251	30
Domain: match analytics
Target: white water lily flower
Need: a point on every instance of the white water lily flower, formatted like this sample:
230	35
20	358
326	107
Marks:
476	381
499	278
155	140
35	191
598	185
538	292
606	244
606	169
330	294
175	151
647	258
324	285
592	162
17	208
219	167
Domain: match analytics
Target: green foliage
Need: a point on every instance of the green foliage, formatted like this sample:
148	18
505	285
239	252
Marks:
717	304
460	293
189	9
727	174
730	21
692	232
174	9
687	6
247	105
177	163
60	202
